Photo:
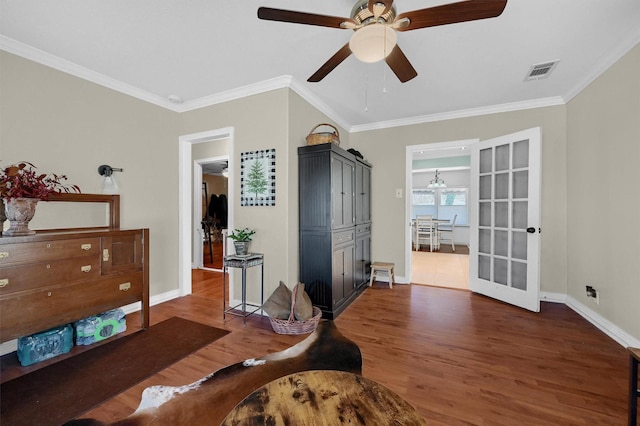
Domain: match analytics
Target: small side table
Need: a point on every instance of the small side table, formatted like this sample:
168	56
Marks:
243	262
634	392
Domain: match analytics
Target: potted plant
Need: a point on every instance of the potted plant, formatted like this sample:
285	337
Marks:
21	187
241	239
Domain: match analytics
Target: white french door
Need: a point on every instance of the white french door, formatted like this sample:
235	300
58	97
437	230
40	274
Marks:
504	255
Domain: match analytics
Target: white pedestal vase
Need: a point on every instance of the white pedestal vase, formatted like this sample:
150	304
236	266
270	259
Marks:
19	212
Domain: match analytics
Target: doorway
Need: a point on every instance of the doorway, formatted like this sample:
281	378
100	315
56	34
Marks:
190	189
210	211
442	267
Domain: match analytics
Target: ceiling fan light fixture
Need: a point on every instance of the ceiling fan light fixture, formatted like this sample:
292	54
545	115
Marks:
373	43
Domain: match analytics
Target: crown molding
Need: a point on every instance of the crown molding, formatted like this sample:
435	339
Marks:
607	61
465	113
283	81
287	81
40	56
317	103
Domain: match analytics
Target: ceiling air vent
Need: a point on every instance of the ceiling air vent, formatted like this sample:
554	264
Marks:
539	71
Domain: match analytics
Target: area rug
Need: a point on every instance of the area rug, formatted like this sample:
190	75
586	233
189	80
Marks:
64	390
446	248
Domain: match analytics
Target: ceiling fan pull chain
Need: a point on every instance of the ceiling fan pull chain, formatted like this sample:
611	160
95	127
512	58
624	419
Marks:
384	79
366	91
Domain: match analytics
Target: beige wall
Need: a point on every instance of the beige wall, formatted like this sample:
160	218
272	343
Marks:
259	122
386	150
67	125
604	198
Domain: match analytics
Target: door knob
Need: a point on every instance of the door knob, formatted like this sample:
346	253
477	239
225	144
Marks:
531	230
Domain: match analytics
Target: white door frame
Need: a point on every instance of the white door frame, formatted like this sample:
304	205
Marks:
185	195
439	149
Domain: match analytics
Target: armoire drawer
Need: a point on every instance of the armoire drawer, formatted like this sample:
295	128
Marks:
45	274
363	229
42	251
343	237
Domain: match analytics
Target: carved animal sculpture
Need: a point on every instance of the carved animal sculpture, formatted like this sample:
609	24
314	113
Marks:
207	401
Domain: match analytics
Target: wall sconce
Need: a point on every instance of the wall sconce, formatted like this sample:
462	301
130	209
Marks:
109	185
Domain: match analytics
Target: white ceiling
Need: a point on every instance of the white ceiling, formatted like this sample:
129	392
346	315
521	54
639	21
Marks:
207	51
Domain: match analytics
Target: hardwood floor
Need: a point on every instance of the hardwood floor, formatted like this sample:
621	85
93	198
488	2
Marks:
459	358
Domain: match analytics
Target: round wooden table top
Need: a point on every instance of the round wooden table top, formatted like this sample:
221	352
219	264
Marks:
323	397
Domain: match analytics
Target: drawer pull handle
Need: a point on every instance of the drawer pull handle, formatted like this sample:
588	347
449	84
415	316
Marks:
4	254
105	255
86	268
125	286
4	282
86	247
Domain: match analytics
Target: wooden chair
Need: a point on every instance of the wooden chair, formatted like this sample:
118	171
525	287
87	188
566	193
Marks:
445	232
425	230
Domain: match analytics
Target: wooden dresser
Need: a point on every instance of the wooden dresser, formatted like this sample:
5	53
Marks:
57	277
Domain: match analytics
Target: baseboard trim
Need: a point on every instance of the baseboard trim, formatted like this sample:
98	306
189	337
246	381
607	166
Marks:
603	324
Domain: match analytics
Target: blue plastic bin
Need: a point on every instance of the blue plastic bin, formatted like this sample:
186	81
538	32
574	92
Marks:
45	344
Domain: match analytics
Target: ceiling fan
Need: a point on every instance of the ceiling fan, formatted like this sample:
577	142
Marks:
375	23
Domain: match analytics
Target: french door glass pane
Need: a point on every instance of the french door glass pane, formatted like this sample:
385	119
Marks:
502	186
486	161
501	215
502	157
500	271
485	187
521	184
521	154
519	245
501	243
485	214
484	243
519	275
519	212
484	267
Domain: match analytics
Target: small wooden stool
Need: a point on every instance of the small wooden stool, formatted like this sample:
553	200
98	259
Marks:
382	267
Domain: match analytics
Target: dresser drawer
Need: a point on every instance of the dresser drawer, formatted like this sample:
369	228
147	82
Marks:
45	274
43	251
29	312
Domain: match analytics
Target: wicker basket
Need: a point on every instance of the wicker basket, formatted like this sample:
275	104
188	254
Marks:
323	137
293	326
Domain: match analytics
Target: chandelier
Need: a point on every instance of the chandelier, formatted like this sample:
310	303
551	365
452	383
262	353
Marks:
437	182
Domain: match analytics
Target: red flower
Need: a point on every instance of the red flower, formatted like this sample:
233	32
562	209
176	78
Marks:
21	181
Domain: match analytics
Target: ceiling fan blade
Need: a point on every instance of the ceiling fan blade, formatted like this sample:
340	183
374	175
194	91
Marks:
469	10
270	14
333	62
400	65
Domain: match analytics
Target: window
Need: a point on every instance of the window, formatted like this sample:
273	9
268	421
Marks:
423	197
453	197
450	201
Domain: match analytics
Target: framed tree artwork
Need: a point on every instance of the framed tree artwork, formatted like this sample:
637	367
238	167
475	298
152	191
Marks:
258	178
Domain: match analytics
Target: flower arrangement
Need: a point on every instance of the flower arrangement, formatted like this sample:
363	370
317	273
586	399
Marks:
242	234
22	181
